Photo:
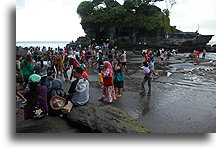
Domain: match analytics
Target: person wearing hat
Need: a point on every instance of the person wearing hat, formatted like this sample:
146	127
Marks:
79	89
73	64
55	90
40	68
36	98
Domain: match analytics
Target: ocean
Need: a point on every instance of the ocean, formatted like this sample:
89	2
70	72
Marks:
52	44
209	55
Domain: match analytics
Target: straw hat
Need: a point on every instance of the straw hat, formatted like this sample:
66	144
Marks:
57	102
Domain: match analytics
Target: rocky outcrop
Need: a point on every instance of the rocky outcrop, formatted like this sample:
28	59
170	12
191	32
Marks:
104	119
91	118
185	39
21	51
45	125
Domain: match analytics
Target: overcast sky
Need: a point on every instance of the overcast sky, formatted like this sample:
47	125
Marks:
57	20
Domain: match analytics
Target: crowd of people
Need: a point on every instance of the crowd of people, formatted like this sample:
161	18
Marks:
196	54
39	76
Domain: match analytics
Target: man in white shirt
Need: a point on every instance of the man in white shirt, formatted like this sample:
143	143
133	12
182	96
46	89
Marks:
148	70
124	60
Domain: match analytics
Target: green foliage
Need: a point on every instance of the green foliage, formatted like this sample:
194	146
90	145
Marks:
85	9
116	16
133	4
173	28
97	2
132	15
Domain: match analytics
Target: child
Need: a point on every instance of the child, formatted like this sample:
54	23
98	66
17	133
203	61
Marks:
100	68
83	66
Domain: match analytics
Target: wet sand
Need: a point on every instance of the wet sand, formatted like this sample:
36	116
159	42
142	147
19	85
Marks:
184	102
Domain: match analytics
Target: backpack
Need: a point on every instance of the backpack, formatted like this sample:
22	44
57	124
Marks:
119	77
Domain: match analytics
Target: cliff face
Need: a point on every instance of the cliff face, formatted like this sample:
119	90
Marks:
185	39
131	24
134	22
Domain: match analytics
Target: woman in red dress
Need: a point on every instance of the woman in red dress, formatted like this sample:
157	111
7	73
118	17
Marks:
108	87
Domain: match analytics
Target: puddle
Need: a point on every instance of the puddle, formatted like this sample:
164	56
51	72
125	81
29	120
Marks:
135	114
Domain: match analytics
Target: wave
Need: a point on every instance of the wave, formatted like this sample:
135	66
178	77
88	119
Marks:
52	44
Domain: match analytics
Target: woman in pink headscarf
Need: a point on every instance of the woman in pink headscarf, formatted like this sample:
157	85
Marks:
107	84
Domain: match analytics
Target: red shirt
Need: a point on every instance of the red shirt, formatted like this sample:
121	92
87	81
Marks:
74	62
146	57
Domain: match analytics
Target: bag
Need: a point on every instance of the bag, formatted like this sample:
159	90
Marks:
67	108
107	81
119	77
100	77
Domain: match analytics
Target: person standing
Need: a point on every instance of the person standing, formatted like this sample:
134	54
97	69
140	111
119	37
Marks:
148	70
124	60
203	54
60	63
73	64
27	68
55	62
66	67
19	76
100	67
108	87
119	78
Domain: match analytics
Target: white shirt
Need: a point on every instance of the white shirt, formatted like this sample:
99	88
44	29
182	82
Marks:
124	57
146	70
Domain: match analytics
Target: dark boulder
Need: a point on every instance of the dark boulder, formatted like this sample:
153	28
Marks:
21	51
104	119
45	125
91	118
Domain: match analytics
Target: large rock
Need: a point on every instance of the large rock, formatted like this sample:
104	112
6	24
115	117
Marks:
45	125
104	119
21	51
90	118
185	39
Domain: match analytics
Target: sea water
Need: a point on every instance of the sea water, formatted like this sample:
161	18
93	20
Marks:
52	44
209	55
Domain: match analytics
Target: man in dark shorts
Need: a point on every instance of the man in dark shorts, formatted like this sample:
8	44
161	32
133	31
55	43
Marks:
124	60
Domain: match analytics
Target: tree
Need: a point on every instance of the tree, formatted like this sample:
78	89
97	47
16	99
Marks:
85	8
134	17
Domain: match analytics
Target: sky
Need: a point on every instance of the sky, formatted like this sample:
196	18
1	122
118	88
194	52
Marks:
57	20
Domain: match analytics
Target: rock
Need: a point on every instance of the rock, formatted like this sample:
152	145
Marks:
21	51
90	118
104	119
45	125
